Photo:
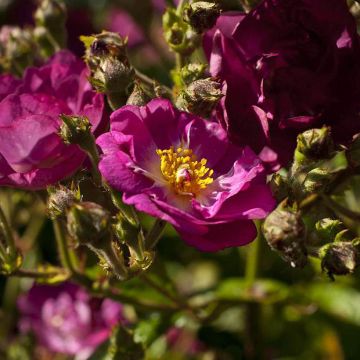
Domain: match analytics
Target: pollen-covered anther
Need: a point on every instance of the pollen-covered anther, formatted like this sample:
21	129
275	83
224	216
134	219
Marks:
181	169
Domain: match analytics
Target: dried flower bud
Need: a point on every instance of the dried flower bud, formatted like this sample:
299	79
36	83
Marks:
315	143
339	258
202	15
179	35
75	129
51	15
192	72
111	72
90	224
284	231
201	97
60	200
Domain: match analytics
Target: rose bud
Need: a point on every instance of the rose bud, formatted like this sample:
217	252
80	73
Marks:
111	72
284	231
179	35
315	143
89	224
201	97
339	258
202	15
60	200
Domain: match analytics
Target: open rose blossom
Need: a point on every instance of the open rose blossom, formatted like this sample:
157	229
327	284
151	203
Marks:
289	65
182	169
32	155
65	319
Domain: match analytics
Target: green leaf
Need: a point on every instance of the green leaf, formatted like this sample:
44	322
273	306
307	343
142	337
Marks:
336	300
262	291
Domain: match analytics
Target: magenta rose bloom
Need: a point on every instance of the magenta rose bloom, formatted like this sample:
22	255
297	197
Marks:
182	169
289	65
65	319
32	155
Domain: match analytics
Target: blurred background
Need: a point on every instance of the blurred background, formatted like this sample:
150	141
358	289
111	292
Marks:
289	314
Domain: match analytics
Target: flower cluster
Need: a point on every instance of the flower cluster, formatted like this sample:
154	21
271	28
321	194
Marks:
32	155
65	319
288	66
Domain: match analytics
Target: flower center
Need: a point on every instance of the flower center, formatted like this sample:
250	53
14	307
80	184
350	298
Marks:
181	169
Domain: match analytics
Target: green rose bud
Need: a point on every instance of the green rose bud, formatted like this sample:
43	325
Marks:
201	97
284	231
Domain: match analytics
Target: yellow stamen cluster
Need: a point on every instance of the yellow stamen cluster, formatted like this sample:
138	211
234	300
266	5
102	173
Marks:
181	169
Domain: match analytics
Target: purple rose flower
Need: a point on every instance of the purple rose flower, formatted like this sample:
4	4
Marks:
65	319
32	155
289	65
182	169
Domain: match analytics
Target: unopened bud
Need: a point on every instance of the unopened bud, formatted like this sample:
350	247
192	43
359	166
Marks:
339	258
90	224
51	15
111	72
201	97
60	200
75	129
284	231
315	143
202	15
179	35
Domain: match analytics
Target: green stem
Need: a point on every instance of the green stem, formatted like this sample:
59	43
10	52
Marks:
339	209
92	151
9	238
151	83
62	246
253	343
34	274
252	261
154	234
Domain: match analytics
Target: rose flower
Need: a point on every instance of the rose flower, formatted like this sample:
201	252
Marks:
182	169
32	155
289	65
65	319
